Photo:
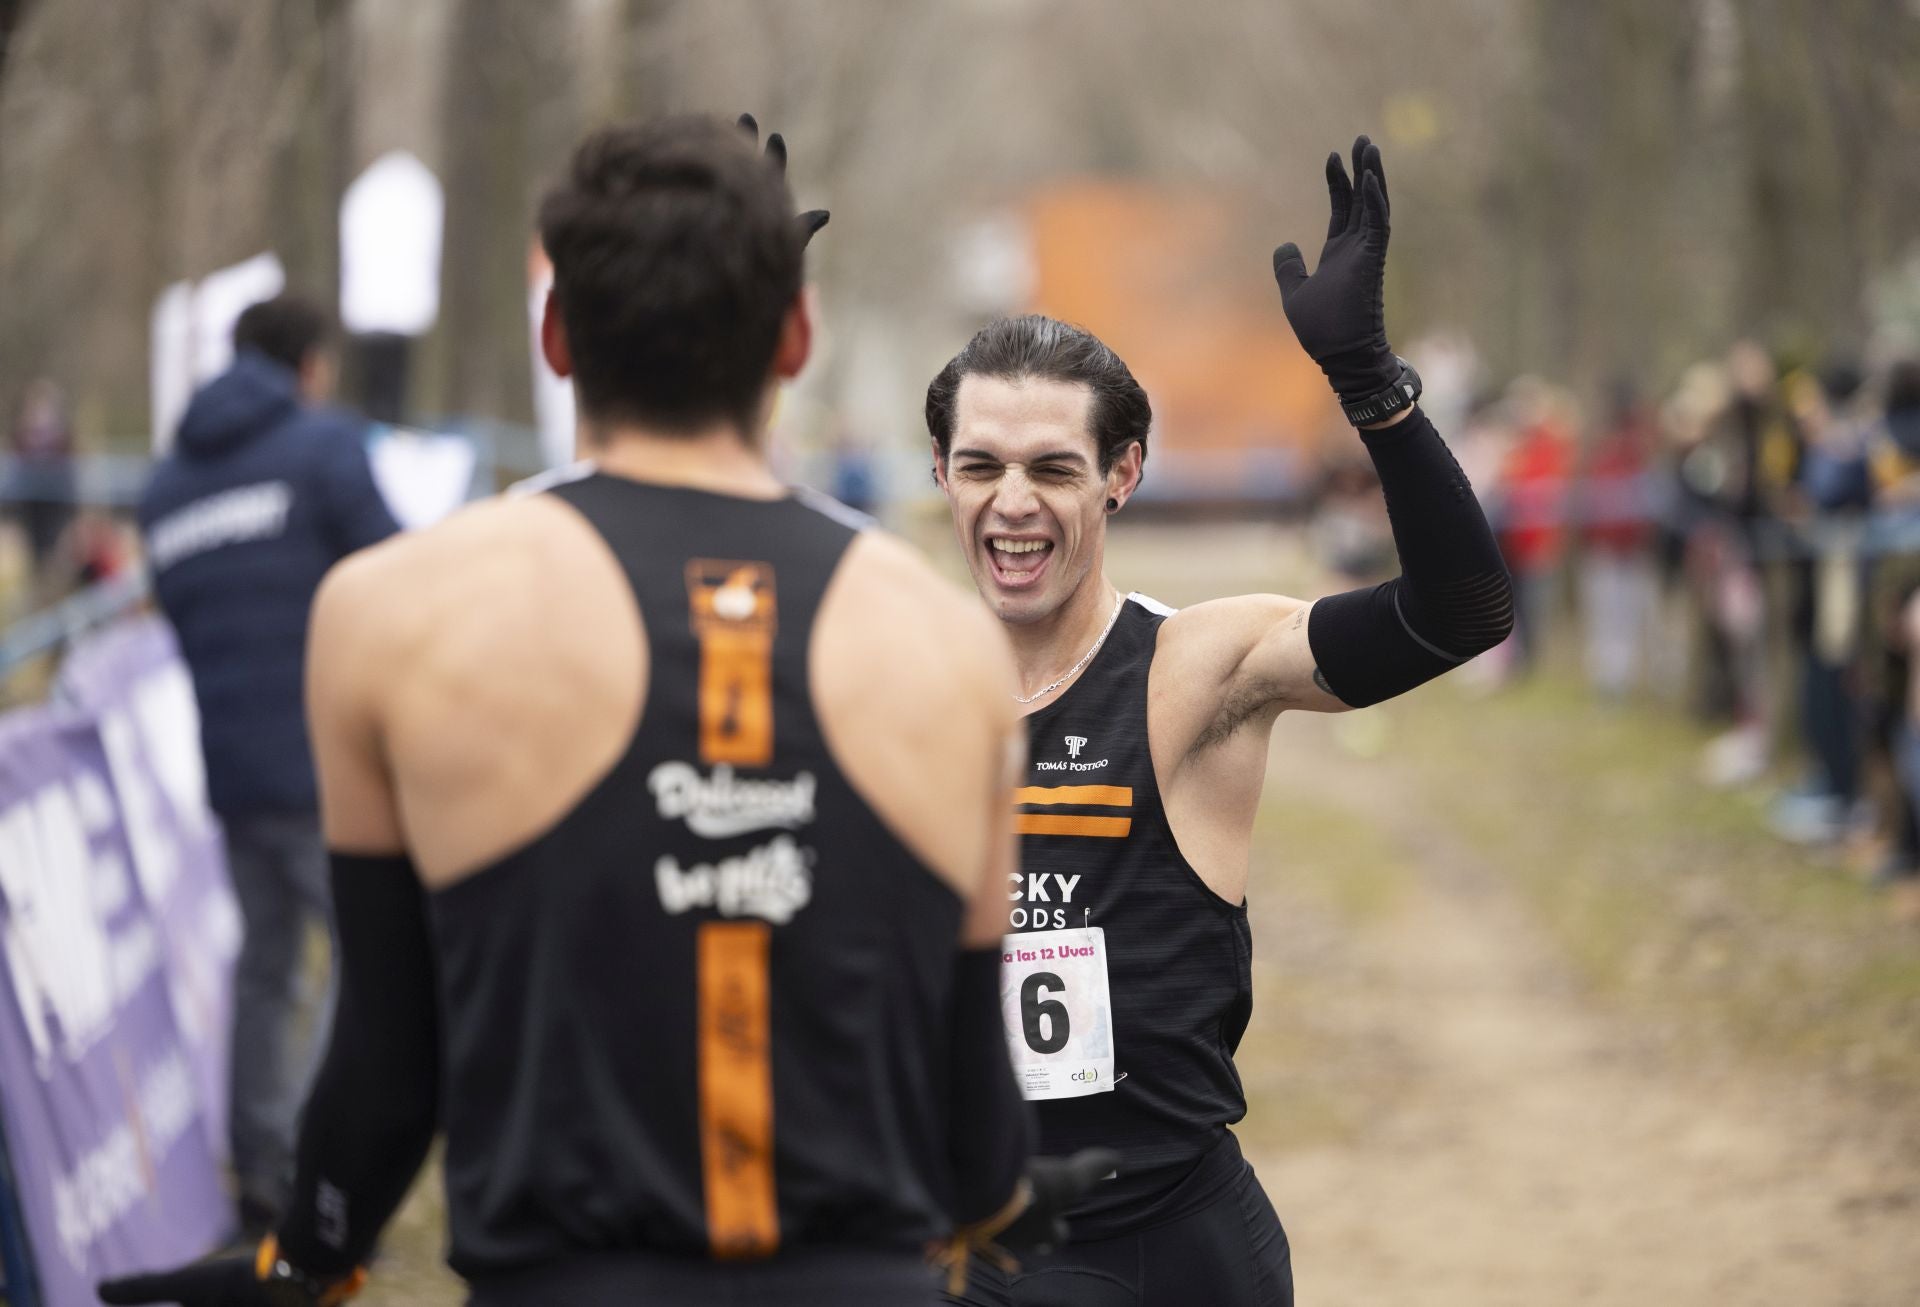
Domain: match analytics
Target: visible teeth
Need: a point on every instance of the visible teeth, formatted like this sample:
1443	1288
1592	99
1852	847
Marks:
1018	546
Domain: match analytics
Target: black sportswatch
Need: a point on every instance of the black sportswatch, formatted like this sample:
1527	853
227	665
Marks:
1383	404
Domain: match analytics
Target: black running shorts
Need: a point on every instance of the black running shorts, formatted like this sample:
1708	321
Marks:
1230	1253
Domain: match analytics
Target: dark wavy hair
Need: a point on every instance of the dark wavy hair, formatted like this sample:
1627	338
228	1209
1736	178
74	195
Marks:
1037	346
285	328
675	260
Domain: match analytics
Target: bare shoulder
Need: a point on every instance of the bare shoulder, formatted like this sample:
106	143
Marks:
918	616
913	684
409	580
1220	633
473	589
479	538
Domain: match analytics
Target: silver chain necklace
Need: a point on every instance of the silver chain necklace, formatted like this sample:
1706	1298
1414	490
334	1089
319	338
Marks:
1119	601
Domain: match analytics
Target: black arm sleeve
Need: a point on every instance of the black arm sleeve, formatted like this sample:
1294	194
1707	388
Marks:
1452	599
374	1106
991	1134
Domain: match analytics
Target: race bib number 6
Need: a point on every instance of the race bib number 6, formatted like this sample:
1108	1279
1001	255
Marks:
1058	1014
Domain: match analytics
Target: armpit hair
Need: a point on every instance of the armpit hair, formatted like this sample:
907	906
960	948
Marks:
1241	706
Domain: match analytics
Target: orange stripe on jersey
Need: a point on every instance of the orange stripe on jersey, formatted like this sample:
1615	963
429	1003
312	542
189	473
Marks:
1104	796
731	607
736	1089
1041	823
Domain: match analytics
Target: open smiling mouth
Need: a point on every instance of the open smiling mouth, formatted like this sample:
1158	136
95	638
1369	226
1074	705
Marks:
1017	563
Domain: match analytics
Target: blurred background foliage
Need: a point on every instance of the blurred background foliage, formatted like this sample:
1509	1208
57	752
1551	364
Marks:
1585	190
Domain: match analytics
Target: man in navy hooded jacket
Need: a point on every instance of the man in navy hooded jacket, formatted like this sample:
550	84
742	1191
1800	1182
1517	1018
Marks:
261	494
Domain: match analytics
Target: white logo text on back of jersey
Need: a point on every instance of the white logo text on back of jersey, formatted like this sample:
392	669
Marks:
1075	743
772	882
720	805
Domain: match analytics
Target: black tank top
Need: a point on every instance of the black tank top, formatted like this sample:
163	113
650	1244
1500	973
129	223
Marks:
1096	850
705	1012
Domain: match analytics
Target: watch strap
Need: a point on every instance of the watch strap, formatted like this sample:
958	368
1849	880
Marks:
1384	403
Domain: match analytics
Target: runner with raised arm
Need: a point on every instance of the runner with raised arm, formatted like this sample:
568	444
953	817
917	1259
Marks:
1126	978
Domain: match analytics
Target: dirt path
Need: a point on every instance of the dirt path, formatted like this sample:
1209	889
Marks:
1499	1138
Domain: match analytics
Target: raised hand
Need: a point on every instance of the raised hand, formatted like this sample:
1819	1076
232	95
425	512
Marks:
813	219
1339	312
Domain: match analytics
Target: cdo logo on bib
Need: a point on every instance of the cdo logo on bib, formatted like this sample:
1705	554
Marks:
1085	1075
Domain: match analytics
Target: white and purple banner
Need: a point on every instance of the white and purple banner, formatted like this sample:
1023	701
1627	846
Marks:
117	935
130	679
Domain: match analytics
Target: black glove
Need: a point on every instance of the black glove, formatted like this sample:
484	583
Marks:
222	1282
813	219
1057	1183
1032	1221
258	1279
1339	313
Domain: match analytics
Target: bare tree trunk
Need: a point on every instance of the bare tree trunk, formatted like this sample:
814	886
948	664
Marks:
12	12
509	116
311	170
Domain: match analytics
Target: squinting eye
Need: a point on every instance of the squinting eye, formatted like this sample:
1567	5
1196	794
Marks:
979	469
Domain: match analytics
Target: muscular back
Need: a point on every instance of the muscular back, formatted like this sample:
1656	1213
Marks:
499	664
694	933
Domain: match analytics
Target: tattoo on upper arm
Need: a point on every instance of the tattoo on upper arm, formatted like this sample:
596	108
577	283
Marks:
1253	699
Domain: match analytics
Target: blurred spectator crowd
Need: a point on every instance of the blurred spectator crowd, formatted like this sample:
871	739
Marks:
61	543
1749	546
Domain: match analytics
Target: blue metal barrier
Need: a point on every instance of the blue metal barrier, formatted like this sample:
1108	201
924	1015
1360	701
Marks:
22	1287
102	480
45	631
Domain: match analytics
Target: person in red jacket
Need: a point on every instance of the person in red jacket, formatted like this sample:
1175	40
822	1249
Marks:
1534	481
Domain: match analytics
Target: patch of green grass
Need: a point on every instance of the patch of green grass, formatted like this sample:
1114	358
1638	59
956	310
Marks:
1322	874
1896	978
1295	1062
1665	893
1331	855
